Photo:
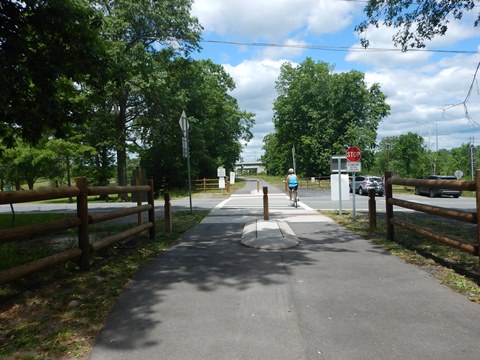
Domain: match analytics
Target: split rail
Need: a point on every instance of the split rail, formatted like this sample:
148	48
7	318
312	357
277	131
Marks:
459	215
81	221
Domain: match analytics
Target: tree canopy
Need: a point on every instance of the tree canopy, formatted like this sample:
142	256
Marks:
417	21
47	49
95	81
217	124
318	112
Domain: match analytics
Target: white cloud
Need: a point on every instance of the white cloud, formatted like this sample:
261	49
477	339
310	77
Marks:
381	52
419	85
273	20
419	98
326	16
255	92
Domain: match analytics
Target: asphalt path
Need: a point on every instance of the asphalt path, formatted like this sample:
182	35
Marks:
334	296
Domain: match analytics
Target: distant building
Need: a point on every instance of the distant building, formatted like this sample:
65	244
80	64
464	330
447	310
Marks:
256	167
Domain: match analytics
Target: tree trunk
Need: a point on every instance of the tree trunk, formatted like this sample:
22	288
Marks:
121	148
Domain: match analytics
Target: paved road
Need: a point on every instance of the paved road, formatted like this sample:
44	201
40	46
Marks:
334	296
315	198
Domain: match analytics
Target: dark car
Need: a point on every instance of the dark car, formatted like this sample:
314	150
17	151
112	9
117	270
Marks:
433	192
364	183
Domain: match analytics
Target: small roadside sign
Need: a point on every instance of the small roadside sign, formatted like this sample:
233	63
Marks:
185	147
353	154
221	183
354	166
221	172
183	122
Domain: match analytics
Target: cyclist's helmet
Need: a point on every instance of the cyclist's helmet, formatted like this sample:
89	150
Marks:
290	171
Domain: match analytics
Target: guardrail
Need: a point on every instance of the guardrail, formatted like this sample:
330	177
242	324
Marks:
82	221
459	215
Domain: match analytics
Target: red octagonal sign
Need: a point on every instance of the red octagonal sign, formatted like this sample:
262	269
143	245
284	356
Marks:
354	154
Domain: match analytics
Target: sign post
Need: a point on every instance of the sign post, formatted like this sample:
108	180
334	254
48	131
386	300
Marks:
221	174
186	151
353	156
337	165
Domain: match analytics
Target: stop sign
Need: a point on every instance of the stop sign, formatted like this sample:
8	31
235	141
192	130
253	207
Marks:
353	154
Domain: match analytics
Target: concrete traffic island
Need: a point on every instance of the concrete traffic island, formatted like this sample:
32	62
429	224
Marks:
269	235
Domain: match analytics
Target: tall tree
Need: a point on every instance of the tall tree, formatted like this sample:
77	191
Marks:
383	155
65	154
48	49
417	21
460	158
319	112
134	29
25	163
410	156
217	125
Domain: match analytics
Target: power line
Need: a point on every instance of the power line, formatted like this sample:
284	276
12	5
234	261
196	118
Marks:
336	48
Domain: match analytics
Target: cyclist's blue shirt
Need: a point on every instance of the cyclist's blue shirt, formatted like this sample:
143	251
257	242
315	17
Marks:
292	181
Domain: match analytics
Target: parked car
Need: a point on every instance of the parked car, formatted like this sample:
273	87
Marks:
364	183
432	192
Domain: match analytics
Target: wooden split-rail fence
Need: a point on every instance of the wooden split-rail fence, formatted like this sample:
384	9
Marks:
81	221
455	214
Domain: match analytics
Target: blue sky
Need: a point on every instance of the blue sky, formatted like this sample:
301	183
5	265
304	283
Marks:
420	85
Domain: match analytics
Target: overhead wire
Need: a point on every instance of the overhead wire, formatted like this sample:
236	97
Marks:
335	48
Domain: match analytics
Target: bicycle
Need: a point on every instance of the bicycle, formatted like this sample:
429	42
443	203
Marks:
294	197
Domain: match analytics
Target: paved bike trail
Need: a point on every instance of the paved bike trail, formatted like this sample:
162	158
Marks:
334	296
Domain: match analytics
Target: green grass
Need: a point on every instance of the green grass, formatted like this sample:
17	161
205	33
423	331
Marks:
16	253
57	313
454	268
6	220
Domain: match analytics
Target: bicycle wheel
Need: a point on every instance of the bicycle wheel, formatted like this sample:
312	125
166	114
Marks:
295	199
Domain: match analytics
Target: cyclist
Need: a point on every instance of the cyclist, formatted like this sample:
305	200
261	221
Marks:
292	182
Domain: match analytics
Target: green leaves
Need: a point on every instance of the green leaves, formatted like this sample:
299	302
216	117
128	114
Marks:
47	48
217	124
319	111
417	21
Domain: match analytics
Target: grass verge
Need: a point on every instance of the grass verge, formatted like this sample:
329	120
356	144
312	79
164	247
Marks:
57	314
451	267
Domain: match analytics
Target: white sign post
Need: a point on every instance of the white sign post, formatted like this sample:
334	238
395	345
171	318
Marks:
186	151
342	181
353	165
221	173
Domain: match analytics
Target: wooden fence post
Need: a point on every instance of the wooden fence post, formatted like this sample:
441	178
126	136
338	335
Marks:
167	213
138	182
477	196
389	206
372	211
151	212
82	213
265	203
